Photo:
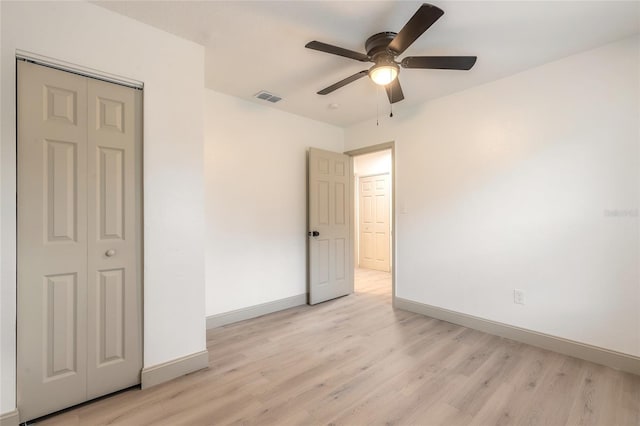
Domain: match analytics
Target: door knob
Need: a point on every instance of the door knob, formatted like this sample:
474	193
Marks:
110	252
314	233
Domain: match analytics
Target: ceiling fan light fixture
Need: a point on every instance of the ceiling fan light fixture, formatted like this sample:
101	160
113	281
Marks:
383	73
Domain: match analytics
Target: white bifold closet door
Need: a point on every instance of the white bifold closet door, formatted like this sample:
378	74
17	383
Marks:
79	239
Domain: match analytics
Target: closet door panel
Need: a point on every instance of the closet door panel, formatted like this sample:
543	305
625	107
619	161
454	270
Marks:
52	240
115	308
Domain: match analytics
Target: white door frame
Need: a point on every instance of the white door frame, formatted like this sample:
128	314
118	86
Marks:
368	150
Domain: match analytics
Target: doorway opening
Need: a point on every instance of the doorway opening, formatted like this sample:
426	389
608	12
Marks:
373	210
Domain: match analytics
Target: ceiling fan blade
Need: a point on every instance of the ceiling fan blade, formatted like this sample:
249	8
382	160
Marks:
394	91
418	24
439	62
344	82
335	50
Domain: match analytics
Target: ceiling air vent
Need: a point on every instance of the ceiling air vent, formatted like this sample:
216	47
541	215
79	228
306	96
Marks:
266	96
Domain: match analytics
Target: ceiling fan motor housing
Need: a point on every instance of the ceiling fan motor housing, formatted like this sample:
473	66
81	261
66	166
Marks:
377	44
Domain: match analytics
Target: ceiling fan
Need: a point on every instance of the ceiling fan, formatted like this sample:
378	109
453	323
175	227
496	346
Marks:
383	48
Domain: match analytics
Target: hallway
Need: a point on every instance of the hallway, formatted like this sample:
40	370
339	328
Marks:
372	282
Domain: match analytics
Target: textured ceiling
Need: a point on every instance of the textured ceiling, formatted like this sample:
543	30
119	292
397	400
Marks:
251	46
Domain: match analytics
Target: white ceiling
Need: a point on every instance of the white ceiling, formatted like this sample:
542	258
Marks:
253	46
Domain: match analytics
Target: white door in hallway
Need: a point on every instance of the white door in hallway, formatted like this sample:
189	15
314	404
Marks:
330	271
79	239
374	222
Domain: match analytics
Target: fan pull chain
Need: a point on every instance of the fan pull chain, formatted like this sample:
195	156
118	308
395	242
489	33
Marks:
378	106
391	102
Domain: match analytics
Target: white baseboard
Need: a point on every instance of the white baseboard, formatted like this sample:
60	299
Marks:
230	317
170	370
609	358
11	418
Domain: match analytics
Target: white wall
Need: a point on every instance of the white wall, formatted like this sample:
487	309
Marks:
374	163
172	71
255	190
516	184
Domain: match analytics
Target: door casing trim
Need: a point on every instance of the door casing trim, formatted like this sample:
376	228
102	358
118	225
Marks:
23	55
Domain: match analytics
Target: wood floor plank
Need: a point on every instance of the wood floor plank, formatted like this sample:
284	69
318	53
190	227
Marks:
487	379
357	361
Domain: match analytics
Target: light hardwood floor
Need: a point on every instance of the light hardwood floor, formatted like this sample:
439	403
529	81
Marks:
356	361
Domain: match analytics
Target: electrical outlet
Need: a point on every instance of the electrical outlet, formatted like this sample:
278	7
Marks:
518	296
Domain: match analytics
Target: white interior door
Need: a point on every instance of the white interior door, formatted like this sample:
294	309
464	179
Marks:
79	187
330	270
374	222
